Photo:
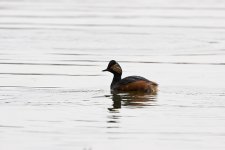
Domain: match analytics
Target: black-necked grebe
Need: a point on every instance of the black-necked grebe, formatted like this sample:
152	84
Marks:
131	83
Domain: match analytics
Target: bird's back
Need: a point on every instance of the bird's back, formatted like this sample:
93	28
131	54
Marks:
135	83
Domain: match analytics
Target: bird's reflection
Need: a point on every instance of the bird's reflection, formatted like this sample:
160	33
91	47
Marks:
132	100
136	99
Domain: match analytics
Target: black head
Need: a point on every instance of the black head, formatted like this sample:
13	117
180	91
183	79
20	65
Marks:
114	67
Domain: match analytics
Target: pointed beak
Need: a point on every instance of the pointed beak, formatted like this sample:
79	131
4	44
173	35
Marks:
105	70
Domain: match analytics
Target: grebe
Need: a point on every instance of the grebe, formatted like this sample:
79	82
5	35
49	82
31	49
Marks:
130	83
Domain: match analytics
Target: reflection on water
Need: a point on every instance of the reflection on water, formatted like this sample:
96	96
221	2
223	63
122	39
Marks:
116	99
137	99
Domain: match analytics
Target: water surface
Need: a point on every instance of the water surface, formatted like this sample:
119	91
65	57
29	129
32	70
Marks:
53	94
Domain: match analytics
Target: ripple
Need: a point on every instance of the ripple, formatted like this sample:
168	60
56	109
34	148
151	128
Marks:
73	26
43	64
46	74
106	16
9	126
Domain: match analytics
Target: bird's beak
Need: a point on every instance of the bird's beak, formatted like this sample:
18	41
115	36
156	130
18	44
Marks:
105	70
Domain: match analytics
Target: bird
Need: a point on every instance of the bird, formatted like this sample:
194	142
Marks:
130	83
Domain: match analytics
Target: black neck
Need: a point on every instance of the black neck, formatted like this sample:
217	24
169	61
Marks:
116	78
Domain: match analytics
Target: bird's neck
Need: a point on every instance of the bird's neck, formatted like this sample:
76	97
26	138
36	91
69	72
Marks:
116	78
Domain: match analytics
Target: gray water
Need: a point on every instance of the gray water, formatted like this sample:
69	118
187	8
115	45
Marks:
53	95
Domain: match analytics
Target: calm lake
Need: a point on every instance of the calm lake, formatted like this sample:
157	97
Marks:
54	95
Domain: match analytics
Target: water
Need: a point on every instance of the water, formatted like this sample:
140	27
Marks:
54	96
